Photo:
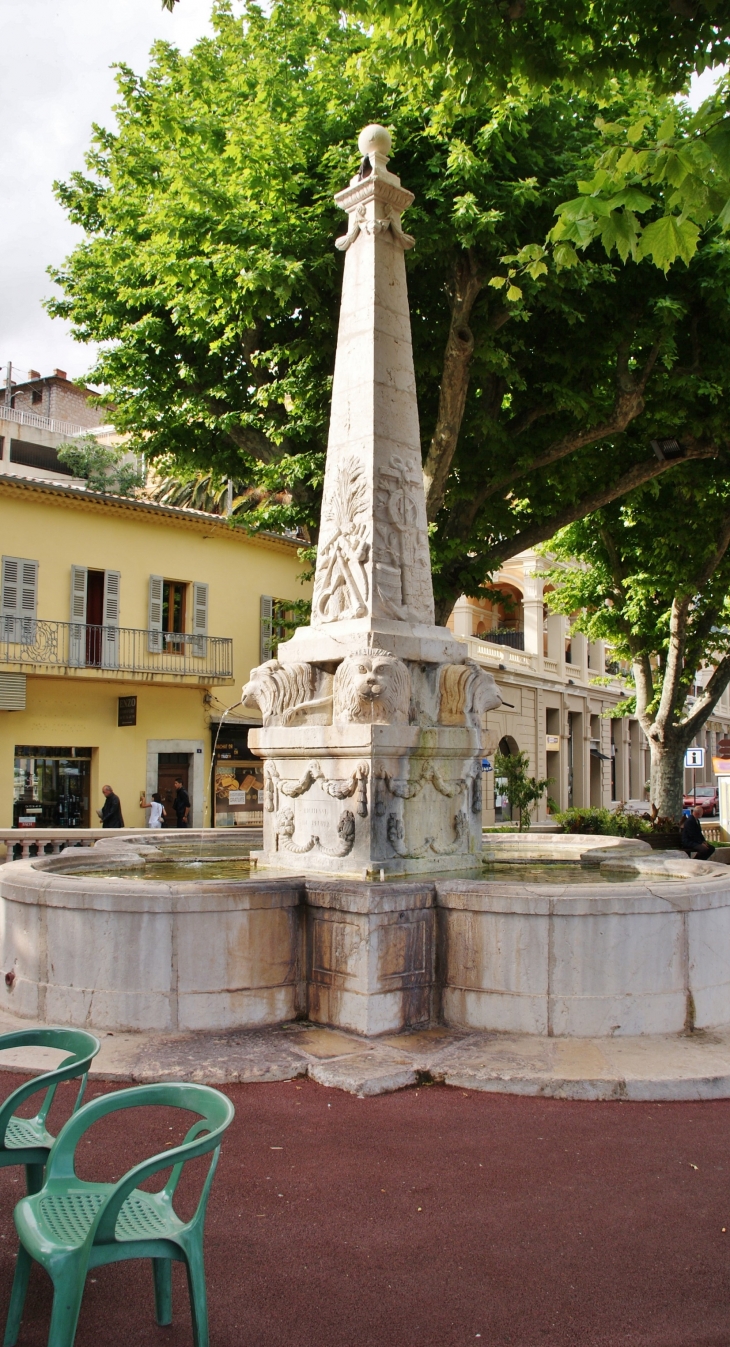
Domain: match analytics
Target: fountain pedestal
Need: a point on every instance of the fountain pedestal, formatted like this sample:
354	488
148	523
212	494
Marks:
372	714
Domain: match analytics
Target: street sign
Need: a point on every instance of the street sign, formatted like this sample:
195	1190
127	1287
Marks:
694	757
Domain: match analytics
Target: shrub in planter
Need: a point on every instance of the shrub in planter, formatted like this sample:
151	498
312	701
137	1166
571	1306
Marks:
604	822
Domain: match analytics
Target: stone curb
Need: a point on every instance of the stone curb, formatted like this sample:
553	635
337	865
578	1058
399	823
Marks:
657	1067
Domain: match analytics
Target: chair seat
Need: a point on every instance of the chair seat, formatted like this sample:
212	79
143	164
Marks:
65	1218
21	1133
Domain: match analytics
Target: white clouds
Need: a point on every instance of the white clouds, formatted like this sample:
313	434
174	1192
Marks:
55	82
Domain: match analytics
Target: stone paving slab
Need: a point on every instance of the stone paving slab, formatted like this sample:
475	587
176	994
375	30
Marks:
658	1067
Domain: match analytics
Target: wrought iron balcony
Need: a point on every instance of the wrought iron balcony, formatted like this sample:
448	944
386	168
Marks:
505	636
35	642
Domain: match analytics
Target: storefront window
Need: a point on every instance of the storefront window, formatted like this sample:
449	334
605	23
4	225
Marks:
51	787
238	780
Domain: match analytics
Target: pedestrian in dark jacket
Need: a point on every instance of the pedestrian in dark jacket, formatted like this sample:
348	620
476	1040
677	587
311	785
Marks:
693	838
111	811
181	805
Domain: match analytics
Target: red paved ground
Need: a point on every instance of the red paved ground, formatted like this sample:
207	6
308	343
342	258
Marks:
430	1217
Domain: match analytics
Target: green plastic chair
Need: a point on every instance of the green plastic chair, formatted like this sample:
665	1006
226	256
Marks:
71	1226
26	1141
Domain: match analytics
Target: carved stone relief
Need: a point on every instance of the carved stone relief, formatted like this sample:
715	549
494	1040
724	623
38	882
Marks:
359	223
395	831
285	693
467	691
373	688
341	587
286	827
407	790
402	567
336	787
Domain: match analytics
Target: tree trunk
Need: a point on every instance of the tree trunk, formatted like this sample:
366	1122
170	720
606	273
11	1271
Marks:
454	384
667	775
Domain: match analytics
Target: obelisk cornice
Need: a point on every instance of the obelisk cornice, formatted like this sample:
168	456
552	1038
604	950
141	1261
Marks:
375	188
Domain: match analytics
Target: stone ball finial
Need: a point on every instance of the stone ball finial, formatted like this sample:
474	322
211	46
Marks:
375	139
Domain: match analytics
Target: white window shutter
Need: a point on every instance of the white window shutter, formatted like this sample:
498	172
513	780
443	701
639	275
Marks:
267	628
28	597
154	614
110	652
79	575
10	586
77	630
19	598
200	619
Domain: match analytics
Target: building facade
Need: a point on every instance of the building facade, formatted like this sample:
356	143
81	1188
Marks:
557	692
126	630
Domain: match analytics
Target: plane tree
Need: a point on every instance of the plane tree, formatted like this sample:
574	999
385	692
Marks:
545	365
651	575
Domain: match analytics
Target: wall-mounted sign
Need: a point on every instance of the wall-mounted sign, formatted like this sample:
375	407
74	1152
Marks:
127	711
552	742
694	757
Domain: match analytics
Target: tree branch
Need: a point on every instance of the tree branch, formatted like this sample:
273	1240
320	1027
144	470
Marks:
706	704
628	404
636	476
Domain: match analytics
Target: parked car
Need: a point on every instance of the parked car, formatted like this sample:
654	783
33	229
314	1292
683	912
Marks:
707	796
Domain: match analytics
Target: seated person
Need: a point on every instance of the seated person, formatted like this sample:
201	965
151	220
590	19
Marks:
692	838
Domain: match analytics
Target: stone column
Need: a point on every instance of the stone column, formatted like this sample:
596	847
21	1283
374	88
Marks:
532	608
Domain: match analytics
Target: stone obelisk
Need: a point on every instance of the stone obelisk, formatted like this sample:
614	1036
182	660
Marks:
372	714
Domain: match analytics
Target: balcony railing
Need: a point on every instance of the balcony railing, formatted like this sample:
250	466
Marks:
75	645
52	423
510	637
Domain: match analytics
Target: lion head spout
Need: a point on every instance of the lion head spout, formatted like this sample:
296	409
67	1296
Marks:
373	687
277	689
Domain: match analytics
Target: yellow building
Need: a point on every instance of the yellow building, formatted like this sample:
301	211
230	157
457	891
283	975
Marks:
126	628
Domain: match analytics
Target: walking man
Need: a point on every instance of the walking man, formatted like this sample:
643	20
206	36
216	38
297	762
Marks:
111	811
181	804
692	837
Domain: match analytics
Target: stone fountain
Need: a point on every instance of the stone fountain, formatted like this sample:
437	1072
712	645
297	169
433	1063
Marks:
372	715
372	724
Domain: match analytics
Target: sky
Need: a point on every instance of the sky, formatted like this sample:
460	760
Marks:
56	81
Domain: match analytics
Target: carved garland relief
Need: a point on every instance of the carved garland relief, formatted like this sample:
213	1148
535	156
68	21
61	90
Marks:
359	223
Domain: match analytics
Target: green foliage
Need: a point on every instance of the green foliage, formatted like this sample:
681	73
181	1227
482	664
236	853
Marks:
287	615
602	821
208	277
543	42
662	177
636	560
104	467
522	791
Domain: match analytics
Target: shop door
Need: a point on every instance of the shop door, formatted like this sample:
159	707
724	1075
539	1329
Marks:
167	774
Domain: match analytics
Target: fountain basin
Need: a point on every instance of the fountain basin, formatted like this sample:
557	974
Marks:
127	953
639	945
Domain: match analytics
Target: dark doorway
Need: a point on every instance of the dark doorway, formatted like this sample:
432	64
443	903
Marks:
94	616
171	767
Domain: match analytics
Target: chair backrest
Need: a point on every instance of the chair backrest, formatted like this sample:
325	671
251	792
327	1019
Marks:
82	1048
216	1114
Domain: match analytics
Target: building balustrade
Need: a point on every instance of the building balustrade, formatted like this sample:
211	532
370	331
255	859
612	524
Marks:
36	642
22	844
